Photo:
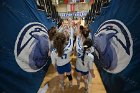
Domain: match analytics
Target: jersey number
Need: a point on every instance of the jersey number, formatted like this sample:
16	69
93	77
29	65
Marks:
64	56
79	55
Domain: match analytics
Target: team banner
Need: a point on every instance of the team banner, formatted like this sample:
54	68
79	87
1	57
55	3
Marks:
23	46
82	0
116	35
91	1
75	14
66	1
72	7
61	1
77	0
87	1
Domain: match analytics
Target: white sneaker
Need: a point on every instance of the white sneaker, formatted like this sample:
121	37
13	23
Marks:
62	86
70	84
78	84
43	89
86	90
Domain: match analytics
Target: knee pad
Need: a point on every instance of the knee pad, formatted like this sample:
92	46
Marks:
69	77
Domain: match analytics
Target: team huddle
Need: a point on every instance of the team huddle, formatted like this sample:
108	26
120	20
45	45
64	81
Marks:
65	40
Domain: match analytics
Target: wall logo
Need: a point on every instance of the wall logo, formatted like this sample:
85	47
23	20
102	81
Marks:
31	47
114	44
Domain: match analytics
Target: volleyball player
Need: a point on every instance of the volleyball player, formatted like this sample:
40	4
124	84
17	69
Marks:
60	56
84	63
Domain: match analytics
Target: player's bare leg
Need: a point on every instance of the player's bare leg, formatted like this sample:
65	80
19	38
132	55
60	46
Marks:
78	79
86	83
61	78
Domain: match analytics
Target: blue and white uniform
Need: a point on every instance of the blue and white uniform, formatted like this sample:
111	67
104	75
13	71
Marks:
88	58
61	29
63	63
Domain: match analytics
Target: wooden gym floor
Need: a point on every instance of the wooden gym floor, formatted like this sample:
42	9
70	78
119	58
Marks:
96	86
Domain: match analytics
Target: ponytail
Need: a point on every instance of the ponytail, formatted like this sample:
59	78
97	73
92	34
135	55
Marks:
87	44
59	42
85	32
60	48
83	56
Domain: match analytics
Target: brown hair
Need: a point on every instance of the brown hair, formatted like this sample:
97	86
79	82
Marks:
59	42
52	33
85	32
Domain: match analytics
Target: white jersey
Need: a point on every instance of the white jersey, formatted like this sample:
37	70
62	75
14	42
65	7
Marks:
60	61
88	59
60	29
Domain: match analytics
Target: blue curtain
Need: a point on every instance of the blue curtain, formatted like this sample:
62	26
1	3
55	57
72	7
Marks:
128	12
14	15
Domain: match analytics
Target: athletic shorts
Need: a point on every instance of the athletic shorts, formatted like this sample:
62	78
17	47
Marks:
64	68
83	73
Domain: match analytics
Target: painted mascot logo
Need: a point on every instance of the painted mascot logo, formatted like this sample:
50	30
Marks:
114	44
31	47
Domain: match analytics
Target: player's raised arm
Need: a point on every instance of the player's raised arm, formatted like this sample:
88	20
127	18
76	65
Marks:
62	27
70	44
78	38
